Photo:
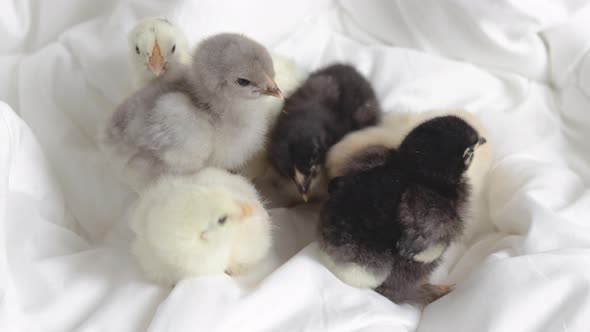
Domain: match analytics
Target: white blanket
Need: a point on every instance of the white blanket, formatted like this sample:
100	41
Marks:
523	66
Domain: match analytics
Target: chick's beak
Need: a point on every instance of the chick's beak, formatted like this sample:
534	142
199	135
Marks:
303	182
156	60
482	140
275	92
246	210
271	88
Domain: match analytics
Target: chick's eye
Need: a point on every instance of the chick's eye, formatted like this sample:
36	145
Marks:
173	48
222	220
137	49
314	171
243	82
468	156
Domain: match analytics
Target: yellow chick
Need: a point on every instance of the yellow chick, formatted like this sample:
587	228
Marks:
208	223
156	47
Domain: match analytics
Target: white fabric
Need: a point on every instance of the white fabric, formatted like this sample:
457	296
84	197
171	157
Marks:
524	66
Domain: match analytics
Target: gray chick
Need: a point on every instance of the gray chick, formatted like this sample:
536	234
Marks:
386	225
206	115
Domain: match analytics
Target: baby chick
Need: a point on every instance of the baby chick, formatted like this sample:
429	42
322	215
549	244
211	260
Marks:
208	223
332	102
208	115
387	225
156	46
360	149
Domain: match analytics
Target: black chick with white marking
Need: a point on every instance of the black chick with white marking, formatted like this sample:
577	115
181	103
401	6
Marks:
387	226
331	103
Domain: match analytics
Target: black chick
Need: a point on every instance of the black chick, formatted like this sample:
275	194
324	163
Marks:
331	103
386	225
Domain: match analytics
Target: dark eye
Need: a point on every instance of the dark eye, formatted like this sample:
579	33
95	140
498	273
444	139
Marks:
243	82
313	171
222	220
137	49
173	49
468	156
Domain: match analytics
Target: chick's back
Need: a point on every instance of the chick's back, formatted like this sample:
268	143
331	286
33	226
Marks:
344	92
156	130
359	222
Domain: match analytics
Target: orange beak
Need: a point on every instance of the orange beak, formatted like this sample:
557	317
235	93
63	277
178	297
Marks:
271	88
246	210
156	60
274	92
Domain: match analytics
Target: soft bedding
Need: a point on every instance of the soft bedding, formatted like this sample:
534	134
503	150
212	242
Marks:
522	66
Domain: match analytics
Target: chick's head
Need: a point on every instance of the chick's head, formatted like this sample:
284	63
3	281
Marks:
157	45
442	147
300	158
189	219
235	66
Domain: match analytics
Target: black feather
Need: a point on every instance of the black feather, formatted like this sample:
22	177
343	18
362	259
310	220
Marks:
411	199
331	103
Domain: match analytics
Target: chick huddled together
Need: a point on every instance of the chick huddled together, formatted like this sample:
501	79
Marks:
394	208
395	188
207	114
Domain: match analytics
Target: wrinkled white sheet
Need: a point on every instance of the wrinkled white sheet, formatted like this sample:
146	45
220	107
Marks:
523	66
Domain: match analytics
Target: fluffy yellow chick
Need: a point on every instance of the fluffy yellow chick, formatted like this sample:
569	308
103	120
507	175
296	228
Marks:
156	47
392	130
208	223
